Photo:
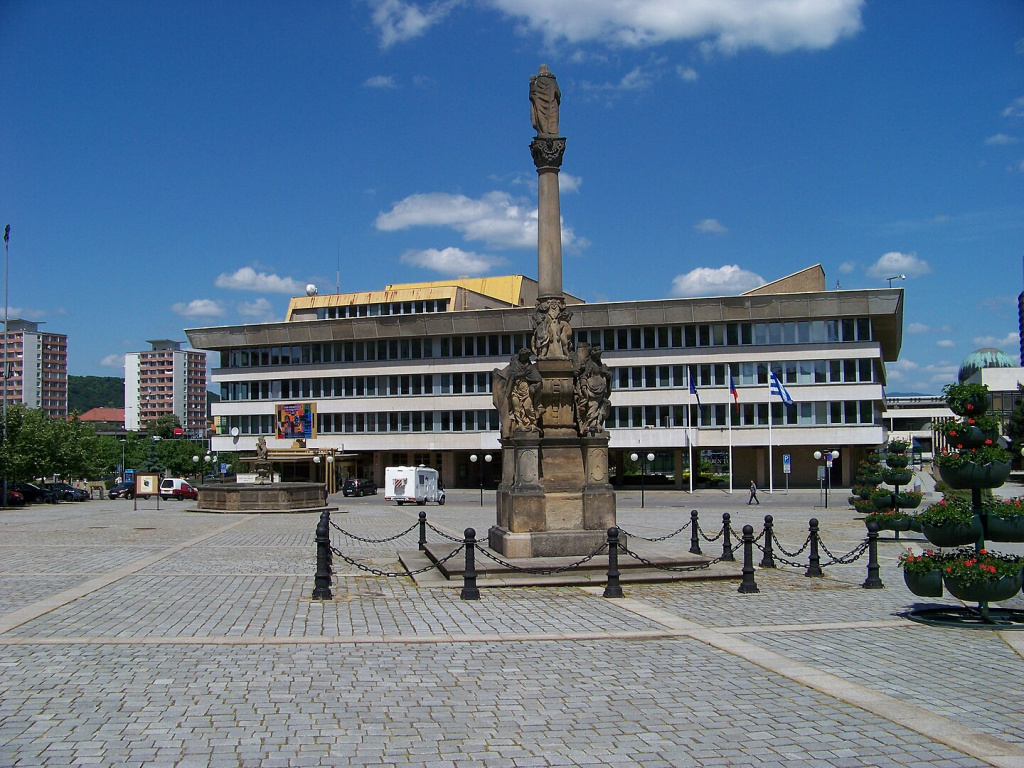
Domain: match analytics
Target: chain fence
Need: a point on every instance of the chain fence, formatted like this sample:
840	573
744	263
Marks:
766	540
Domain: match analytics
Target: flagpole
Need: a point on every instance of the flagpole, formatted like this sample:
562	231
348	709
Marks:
771	450
3	438
730	449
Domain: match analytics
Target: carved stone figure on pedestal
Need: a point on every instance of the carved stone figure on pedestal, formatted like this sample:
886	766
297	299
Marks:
593	387
515	392
262	461
552	335
545	98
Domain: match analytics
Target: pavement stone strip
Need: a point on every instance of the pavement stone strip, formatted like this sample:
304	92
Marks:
172	638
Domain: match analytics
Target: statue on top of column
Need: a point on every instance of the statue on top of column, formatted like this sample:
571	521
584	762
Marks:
544	100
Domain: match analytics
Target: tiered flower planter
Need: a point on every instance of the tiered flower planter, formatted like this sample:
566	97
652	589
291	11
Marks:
976	574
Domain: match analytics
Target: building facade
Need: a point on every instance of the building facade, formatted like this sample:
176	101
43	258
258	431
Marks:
37	368
371	388
166	380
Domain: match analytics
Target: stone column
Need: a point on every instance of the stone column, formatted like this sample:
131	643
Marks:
547	156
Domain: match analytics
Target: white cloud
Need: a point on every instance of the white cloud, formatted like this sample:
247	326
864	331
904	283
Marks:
945	343
452	261
1012	340
1001	139
847	267
689	74
1016	108
198	308
248	279
113	361
710	226
775	25
569	183
637	79
896	263
496	218
912	376
261	309
918	328
380	81
28	313
724	281
398	21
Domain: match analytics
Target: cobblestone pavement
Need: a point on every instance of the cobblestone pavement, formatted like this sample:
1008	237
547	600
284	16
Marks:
172	638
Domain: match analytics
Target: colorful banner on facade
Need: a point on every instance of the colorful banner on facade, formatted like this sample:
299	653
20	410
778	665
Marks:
296	421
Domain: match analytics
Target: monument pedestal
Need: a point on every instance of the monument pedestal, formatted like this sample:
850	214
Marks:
557	501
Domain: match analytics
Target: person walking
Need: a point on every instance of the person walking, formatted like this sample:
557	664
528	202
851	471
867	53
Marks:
753	495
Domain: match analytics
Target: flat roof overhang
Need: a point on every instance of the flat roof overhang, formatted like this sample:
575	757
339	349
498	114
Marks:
883	305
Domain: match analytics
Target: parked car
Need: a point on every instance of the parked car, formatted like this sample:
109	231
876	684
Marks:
35	494
176	488
15	499
357	486
122	491
66	492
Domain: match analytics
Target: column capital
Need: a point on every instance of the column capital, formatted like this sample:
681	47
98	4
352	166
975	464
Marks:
547	152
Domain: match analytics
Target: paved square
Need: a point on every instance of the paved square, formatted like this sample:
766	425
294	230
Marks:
171	638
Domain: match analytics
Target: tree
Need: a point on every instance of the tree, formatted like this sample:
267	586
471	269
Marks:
163	426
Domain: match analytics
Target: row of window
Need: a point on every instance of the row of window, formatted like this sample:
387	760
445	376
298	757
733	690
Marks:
505	345
384	308
625	377
623	417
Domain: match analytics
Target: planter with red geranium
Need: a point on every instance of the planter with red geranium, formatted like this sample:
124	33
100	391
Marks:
977	575
1006	520
950	523
890	520
923	573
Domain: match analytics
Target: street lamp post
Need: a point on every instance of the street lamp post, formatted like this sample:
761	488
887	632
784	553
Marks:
829	456
487	458
645	460
895	277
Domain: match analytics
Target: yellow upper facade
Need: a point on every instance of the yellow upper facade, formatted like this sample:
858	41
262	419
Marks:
457	294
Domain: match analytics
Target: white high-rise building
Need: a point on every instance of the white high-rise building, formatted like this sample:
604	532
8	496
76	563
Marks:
165	379
37	368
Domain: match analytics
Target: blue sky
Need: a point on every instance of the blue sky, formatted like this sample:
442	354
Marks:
169	165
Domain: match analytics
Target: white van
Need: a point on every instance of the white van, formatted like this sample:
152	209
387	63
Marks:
412	484
176	488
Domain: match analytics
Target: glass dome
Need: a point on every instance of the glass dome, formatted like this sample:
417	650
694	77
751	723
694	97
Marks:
983	358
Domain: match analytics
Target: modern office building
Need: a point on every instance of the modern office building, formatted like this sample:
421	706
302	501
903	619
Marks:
361	381
166	379
37	368
914	418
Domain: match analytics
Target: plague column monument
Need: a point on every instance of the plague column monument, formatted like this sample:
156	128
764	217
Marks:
552	399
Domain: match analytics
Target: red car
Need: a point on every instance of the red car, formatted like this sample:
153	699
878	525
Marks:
15	499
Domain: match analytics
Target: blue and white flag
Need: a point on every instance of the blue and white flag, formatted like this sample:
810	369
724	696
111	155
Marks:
775	388
693	385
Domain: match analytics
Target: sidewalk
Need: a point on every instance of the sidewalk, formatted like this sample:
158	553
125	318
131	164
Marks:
173	638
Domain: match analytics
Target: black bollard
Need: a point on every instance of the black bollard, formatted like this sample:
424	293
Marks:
814	563
768	561
322	579
613	588
469	588
694	533
748	585
873	581
423	530
727	537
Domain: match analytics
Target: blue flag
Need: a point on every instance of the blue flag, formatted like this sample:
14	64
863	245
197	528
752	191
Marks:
693	385
775	388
